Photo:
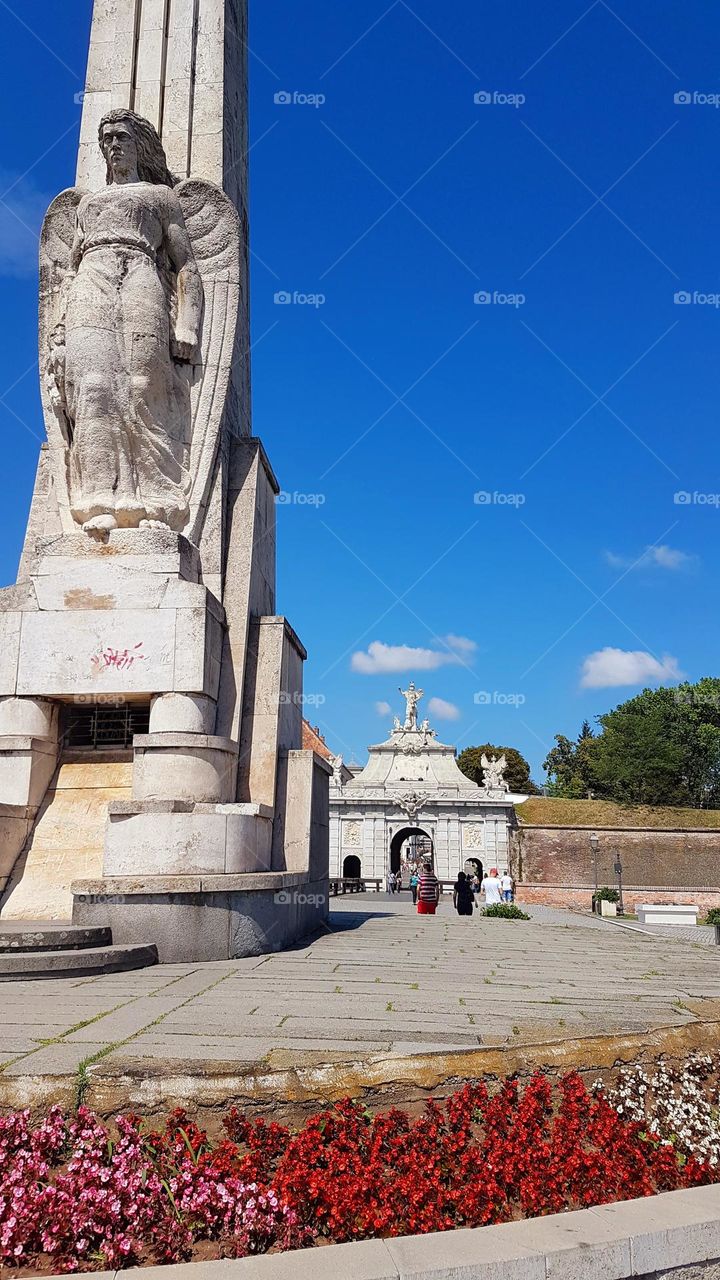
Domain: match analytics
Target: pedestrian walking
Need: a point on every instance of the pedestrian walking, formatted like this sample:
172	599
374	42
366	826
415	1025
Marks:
463	896
428	891
414	882
507	885
491	888
390	882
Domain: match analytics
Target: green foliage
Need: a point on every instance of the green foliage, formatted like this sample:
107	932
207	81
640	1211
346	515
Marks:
607	895
518	770
713	916
570	766
504	911
661	747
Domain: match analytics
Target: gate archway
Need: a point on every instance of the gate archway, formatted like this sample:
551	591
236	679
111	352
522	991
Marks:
476	865
421	844
351	867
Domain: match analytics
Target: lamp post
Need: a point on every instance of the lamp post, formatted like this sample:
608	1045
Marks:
618	873
595	845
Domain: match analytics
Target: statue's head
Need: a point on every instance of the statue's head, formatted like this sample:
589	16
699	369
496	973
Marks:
131	140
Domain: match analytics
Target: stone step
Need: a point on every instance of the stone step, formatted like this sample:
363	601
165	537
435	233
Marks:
51	935
26	965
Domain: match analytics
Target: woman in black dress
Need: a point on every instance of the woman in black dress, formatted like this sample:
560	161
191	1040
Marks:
463	897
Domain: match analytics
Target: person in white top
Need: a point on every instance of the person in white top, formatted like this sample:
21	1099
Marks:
491	888
506	884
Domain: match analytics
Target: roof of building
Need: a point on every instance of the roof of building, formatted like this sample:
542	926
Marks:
411	763
313	740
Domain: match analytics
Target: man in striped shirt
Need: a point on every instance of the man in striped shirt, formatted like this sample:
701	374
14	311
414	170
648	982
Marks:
428	891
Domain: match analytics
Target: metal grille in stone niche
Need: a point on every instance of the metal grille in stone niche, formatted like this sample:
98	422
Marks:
473	835
95	725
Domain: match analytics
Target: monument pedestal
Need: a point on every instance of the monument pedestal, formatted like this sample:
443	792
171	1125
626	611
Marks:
220	849
201	918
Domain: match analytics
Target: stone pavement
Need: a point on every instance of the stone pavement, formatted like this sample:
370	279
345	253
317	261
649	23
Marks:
381	981
701	934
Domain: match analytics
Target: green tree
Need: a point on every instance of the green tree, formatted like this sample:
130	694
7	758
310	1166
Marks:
570	766
663	747
660	747
517	775
642	754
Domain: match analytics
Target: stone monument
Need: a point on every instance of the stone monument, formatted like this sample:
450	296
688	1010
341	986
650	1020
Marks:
146	589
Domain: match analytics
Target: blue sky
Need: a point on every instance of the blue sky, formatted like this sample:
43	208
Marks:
581	411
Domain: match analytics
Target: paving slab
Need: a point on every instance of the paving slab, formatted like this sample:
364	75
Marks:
379	983
54	1060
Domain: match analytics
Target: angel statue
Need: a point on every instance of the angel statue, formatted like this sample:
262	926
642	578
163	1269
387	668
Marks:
493	772
139	287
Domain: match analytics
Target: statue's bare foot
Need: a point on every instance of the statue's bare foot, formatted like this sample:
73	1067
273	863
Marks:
152	524
100	524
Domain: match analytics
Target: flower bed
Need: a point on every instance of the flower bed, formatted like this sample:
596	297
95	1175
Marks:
677	1104
74	1196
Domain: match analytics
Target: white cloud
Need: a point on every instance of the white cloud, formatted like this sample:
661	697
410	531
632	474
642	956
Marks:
608	668
383	708
382	659
443	710
460	643
658	557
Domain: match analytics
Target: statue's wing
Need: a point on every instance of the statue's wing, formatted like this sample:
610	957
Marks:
484	762
502	763
56	272
214	228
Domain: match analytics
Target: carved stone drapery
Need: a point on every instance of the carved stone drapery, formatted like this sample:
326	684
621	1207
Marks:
139	291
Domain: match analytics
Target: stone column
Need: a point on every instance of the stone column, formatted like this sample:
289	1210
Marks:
380	840
28	749
335	861
28	759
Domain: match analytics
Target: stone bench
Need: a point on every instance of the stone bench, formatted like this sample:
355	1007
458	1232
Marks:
666	913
